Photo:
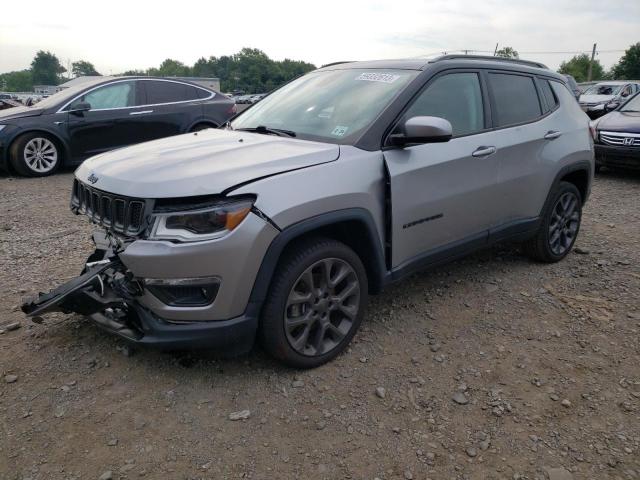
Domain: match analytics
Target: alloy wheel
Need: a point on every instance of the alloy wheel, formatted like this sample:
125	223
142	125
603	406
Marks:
41	155
322	307
565	221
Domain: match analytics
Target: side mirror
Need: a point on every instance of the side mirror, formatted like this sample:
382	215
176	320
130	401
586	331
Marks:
418	130
611	106
80	107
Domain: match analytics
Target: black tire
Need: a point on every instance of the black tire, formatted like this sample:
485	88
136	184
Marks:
559	229
320	327
25	147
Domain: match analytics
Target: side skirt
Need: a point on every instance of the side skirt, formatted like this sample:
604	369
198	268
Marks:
518	230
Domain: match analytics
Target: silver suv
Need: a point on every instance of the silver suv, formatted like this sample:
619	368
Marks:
280	224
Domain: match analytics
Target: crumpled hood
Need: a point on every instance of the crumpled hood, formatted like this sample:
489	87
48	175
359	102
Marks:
620	122
18	112
595	98
205	163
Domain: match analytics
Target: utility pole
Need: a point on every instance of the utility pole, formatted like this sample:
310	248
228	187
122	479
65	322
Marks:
593	54
496	50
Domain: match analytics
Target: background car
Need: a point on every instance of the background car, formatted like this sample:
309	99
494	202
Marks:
594	99
617	136
101	115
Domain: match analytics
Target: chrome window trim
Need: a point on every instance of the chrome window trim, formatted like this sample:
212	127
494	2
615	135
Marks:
212	94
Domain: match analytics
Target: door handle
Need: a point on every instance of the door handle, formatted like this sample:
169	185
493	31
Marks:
142	112
552	135
484	151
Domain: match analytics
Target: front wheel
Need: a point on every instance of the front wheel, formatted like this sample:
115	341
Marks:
316	303
560	225
35	155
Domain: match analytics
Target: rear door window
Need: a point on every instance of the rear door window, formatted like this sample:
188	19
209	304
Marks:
550	100
515	99
169	92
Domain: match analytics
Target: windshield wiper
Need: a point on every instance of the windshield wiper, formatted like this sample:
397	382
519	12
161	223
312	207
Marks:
633	111
274	131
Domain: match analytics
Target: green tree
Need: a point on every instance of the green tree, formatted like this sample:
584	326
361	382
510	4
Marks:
578	68
20	81
171	68
204	68
507	52
249	70
82	68
134	73
628	68
46	69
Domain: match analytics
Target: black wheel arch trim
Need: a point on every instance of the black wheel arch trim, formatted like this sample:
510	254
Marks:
582	165
375	265
202	121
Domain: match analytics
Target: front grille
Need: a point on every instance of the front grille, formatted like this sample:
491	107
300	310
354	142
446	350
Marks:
123	215
619	139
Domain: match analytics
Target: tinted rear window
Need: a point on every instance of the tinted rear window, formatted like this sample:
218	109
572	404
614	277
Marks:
548	95
202	93
167	92
516	98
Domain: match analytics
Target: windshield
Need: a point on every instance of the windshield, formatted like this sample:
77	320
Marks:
334	106
632	105
602	89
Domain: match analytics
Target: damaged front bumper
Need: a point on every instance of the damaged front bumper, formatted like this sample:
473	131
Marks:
108	294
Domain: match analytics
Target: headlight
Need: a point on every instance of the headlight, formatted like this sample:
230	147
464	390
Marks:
201	224
2	127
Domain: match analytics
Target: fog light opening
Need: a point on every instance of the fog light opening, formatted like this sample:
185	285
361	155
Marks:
184	292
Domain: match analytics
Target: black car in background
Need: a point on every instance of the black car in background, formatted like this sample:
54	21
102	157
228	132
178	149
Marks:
101	115
617	136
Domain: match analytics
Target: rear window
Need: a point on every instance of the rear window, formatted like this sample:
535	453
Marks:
168	92
516	99
549	97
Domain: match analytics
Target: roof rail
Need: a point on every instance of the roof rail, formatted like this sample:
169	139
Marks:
489	57
337	63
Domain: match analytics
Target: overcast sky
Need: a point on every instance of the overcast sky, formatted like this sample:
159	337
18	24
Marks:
118	35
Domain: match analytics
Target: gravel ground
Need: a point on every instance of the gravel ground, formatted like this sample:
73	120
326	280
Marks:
493	367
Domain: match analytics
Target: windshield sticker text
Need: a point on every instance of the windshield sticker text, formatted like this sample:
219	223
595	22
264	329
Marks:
378	77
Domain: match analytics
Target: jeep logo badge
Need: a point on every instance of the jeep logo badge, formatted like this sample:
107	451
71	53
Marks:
92	178
628	141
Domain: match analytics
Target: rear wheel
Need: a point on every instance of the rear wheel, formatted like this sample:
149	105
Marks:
35	155
315	305
560	225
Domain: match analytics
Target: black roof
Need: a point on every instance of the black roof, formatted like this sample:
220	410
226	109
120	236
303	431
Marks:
418	63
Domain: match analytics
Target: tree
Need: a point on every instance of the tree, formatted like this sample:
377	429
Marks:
578	68
507	52
134	73
82	68
628	68
46	69
249	70
171	68
20	81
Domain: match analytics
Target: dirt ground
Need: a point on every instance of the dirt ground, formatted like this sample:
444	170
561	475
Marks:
493	367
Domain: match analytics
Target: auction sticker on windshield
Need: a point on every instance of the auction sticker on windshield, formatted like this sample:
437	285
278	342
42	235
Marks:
378	77
339	131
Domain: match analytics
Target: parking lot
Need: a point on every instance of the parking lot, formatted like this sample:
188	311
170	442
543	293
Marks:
493	367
